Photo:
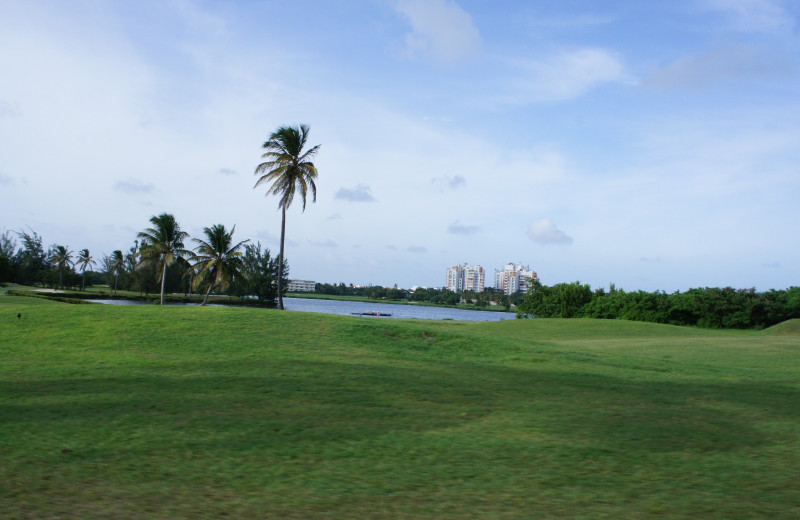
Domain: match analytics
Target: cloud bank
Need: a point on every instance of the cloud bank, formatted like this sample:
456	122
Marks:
360	193
720	64
755	15
440	29
565	75
457	228
454	182
545	232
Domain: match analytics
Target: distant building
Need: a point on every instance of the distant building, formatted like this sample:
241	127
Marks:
302	286
514	278
465	278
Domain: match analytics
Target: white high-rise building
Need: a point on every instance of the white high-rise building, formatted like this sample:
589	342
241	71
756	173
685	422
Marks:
454	279
474	278
465	278
513	278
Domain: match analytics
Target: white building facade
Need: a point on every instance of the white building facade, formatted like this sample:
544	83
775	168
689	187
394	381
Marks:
465	278
302	286
514	278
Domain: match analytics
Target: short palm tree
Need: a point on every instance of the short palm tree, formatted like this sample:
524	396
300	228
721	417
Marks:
162	245
60	258
217	260
288	169
84	260
117	264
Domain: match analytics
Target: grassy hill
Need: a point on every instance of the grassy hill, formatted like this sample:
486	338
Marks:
787	328
190	412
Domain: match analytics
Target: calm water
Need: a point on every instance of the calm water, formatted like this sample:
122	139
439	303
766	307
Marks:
397	311
350	308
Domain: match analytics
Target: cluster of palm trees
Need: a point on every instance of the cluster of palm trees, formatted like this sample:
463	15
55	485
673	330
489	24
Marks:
216	261
61	258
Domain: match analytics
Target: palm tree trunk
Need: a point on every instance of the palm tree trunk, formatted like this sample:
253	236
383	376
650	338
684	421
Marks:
163	279
207	293
116	278
280	259
60	282
83	281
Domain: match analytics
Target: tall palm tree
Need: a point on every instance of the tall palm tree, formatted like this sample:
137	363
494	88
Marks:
116	264
60	258
217	260
161	245
289	169
84	260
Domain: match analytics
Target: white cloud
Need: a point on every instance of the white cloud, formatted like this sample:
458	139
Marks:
133	186
545	232
567	22
457	228
440	28
720	64
564	75
9	109
755	15
417	249
5	180
360	193
226	171
446	181
267	235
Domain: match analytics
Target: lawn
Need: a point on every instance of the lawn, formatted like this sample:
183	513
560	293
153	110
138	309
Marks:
141	412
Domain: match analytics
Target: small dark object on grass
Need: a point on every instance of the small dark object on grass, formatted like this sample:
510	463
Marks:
19	315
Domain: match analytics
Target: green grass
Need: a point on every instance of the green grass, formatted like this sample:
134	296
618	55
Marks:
188	412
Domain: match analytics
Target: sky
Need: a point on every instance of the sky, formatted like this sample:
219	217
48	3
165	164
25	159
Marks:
654	145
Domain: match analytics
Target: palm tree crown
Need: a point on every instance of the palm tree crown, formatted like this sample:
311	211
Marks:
288	169
60	258
217	260
84	260
116	265
162	244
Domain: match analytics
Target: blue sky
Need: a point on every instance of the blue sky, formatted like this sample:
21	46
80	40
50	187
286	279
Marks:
649	144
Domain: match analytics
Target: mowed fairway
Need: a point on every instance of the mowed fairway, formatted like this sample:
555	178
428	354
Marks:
188	412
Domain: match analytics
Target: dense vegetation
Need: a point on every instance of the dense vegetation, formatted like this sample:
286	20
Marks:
709	307
141	268
209	412
422	294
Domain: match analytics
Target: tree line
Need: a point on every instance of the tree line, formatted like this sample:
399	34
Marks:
159	261
427	295
708	307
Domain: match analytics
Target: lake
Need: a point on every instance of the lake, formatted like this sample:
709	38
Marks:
350	308
419	312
